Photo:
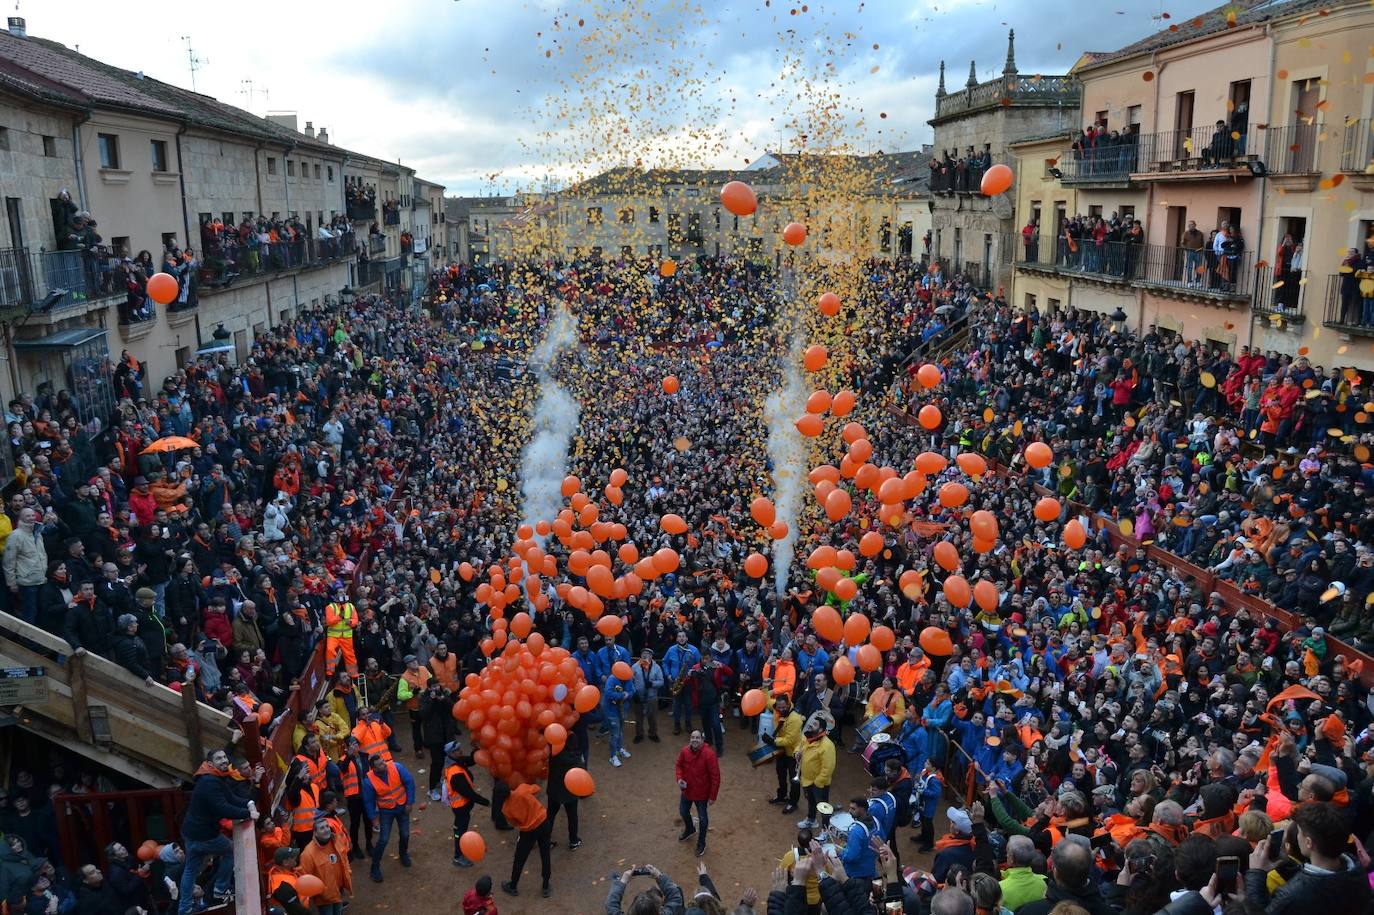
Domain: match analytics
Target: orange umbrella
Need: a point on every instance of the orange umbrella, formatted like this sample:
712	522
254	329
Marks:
171	443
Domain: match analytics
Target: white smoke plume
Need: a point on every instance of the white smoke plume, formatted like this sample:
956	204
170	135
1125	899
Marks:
787	451
545	461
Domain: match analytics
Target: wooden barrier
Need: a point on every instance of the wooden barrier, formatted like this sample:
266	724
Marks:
86	823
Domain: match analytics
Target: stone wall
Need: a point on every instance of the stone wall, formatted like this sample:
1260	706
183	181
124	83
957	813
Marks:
32	176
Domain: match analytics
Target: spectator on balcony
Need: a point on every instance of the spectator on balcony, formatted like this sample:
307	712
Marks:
1030	236
1221	150
1133	242
1192	242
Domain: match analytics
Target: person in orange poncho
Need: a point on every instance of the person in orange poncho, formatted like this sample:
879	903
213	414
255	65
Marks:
524	811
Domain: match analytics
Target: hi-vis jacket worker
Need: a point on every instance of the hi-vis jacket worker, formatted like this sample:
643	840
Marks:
340	619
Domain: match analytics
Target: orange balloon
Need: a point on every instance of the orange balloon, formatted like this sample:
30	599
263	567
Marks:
815	357
619	476
668	267
753	702
739	198
828	578
824	472
1039	455
908	582
670	385
936	642
829	304
985	595
946	556
957	591
810	425
628	554
983	546
555	734
996	180
148	850
870	658
778	529
587	698
571	484
891	492
827	623
861	450
983	524
794	233
1047	509
871	543
673	524
762	511
852	432
846	589
756	565
930	463
929	375
842	404
821	557
843	672
1074	535
953	494
306	884
579	783
818	402
162	288
521	624
621	670
470	843
666	560
265	714
613	494
466	571
972	464
838	504
610	625
855	627
929	416
882	638
867	476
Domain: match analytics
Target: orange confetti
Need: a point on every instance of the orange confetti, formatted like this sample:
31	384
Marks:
1148	76
1283	74
1302	351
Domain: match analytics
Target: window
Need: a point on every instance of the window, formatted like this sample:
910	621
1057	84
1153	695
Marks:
227	217
627	252
305	169
317	172
1100	118
653	214
120	245
204	218
271	165
593	216
169	240
1133	116
290	169
329	172
109	149
1095	211
885	235
159	151
4	138
717	215
626	215
248	215
1127	212
674	227
50	147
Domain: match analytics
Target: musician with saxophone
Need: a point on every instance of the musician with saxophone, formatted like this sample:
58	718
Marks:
678	660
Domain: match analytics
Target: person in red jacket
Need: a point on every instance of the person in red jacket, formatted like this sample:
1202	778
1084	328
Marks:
698	778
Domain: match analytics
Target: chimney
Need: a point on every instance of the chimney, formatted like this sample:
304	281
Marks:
309	129
323	135
17	27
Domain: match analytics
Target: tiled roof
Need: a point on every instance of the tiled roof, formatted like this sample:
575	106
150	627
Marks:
55	63
1212	22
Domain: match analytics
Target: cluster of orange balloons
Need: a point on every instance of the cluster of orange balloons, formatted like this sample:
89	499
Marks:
149	850
520	703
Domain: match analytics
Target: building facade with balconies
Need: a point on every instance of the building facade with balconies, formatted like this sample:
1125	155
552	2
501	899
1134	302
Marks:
975	124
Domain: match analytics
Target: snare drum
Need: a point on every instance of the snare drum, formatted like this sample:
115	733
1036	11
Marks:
877	741
874	726
839	827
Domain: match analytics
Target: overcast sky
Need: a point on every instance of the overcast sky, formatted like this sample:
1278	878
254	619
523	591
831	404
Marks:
466	91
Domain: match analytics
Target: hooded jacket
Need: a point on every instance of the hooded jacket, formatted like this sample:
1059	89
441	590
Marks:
212	799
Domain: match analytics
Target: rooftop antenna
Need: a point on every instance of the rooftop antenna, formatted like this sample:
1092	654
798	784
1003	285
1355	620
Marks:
193	61
248	92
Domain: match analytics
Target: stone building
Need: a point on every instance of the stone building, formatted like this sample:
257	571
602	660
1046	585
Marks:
978	123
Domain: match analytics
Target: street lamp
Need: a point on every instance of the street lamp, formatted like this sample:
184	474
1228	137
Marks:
1118	319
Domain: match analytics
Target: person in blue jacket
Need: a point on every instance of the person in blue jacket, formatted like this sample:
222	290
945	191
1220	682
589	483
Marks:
859	858
614	695
212	799
914	740
811	659
677	660
388	793
925	801
586	659
607	655
941	708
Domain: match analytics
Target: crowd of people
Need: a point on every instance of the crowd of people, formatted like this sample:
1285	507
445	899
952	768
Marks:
266	244
1124	732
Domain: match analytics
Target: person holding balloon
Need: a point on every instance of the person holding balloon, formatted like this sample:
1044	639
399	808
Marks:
327	862
461	794
615	695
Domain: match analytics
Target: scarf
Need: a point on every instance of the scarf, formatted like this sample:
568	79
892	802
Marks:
952	841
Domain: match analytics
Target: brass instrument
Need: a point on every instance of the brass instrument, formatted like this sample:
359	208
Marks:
679	682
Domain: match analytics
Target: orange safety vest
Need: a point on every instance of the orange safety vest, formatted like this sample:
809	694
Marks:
276	876
372	739
391	792
339	619
348	772
303	814
455	800
316	768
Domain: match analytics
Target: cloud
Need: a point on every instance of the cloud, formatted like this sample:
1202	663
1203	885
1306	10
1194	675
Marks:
471	89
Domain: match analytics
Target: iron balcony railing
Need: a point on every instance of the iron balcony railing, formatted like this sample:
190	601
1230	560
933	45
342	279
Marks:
950	178
229	259
1104	162
376	244
361	211
1195	149
1154	266
370	272
1357	151
1279	293
1350	301
28	279
391	215
1291	150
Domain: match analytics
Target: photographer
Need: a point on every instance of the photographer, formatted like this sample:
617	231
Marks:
665	897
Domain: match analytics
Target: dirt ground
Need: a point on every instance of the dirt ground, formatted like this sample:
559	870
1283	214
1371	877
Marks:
632	819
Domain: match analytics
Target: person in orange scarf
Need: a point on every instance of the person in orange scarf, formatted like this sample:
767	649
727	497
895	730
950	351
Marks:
324	858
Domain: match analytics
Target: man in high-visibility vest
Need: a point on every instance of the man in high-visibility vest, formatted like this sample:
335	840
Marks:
352	771
316	763
388	792
340	619
461	794
302	802
281	882
372	733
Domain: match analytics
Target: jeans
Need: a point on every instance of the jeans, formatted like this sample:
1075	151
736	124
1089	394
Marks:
684	810
196	855
387	817
712	729
329	908
160	599
28	603
1192	267
682	710
617	732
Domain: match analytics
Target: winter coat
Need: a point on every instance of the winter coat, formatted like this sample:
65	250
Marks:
648	684
131	654
212	799
1310	891
26	558
701	771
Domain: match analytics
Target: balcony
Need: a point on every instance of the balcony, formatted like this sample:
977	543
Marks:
1009	91
1198	153
949	180
1357	151
227	263
376	244
1347	308
391	215
73	280
1163	268
1100	166
370	272
1278	299
361	211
